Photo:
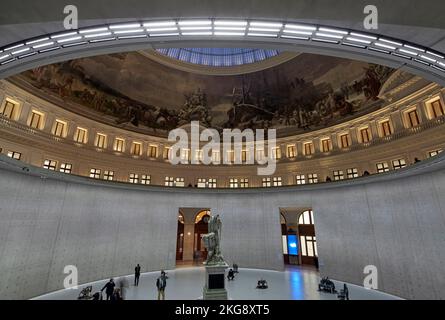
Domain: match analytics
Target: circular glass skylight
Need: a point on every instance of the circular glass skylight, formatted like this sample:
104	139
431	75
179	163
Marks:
219	57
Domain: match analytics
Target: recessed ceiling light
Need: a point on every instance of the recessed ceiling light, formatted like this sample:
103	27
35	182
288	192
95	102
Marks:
125	26
159	24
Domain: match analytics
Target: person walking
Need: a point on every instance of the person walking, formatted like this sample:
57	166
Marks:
109	288
161	283
137	274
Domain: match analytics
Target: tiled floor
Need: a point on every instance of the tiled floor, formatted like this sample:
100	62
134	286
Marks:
186	283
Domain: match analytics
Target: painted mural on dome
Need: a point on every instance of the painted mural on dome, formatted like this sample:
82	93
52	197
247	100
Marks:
305	93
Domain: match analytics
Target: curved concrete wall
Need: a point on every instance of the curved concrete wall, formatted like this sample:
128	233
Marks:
48	220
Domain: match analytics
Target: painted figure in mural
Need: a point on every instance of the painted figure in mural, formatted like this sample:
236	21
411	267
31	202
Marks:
212	242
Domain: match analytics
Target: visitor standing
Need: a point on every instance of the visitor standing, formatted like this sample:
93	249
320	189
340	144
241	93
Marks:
137	274
161	283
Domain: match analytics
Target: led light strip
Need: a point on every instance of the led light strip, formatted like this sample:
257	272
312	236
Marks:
236	28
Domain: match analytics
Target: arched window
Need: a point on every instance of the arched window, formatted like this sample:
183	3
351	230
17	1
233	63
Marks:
307	217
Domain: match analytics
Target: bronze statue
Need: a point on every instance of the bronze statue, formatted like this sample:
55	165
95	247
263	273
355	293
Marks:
212	242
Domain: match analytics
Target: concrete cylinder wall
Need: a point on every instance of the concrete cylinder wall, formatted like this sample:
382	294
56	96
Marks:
49	220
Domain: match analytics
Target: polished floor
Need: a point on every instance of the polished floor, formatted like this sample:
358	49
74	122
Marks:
186	283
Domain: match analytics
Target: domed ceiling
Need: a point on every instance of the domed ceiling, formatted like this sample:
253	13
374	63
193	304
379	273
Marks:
133	91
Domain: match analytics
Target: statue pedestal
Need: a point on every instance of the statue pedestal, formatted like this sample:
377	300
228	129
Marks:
215	286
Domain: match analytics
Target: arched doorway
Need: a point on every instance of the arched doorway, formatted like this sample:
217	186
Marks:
299	242
192	225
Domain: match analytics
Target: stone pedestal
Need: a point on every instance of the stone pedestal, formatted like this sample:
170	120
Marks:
215	286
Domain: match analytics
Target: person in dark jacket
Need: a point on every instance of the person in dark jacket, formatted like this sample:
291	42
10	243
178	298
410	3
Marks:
109	288
161	283
137	274
230	275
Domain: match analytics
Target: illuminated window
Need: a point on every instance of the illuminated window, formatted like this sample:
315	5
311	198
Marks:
152	151
300	179
216	157
233	183
276	153
398	164
365	135
212	183
206	183
202	183
326	145
9	110
260	155
291	151
81	135
382	167
352	173
108	175
36	120
185	154
231	156
179	182
344	141
284	243
308	148
119	145
95	173
14	155
277	182
66	167
266	182
133	178
50	164
435	109
198	155
244	183
59	129
312	178
101	140
307	217
386	128
166	153
434	152
244	155
338	175
308	246
412	118
145	179
169	181
136	148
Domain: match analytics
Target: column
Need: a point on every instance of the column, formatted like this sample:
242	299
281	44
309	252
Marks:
353	134
420	107
25	109
397	122
334	140
316	143
374	129
189	237
71	129
49	121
